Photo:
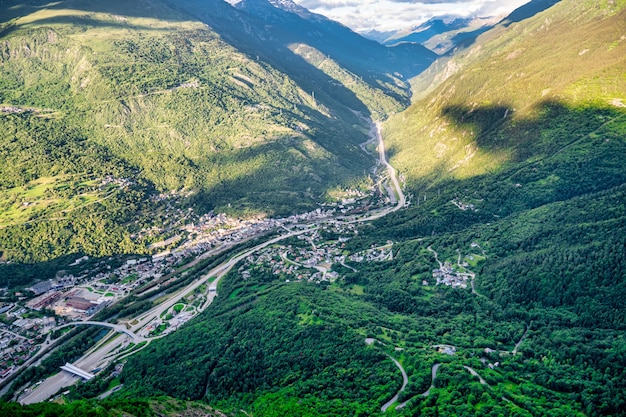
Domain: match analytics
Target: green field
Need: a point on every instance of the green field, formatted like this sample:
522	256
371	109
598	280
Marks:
48	198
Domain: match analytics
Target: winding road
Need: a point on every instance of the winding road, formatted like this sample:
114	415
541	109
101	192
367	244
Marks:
521	340
376	131
474	373
115	348
433	376
405	381
430	249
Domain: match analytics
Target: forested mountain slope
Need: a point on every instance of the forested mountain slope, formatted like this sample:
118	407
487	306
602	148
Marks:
103	105
529	111
522	151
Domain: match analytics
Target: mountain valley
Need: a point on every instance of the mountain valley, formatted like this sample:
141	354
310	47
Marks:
265	214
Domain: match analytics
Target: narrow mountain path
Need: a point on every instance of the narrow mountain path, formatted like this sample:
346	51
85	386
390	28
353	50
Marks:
483	382
430	249
405	377
470	274
518	344
474	373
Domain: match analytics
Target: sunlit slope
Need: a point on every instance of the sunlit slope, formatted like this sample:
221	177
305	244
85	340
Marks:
521	96
166	94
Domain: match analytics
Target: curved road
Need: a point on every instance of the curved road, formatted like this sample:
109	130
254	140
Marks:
518	344
474	373
376	132
405	381
405	377
377	129
433	376
117	327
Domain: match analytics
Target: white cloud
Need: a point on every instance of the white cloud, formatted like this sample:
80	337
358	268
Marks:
385	15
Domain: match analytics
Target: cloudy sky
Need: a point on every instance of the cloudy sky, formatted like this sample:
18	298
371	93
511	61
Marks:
383	15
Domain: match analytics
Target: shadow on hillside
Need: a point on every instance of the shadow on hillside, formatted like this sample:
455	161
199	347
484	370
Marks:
18	274
269	37
556	125
285	182
464	40
79	22
12	9
241	31
329	118
550	218
244	32
561	153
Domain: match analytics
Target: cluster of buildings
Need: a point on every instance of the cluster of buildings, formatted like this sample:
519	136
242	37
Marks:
445	349
374	254
44	300
74	297
15	109
275	259
14	352
191	235
314	260
213	230
59	283
24	325
447	275
314	256
81	302
20	337
120	182
357	202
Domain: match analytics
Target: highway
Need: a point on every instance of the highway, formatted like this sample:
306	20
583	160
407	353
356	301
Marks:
94	358
49	387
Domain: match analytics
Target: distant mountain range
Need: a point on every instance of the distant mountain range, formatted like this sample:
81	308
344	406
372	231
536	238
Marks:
282	22
441	35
